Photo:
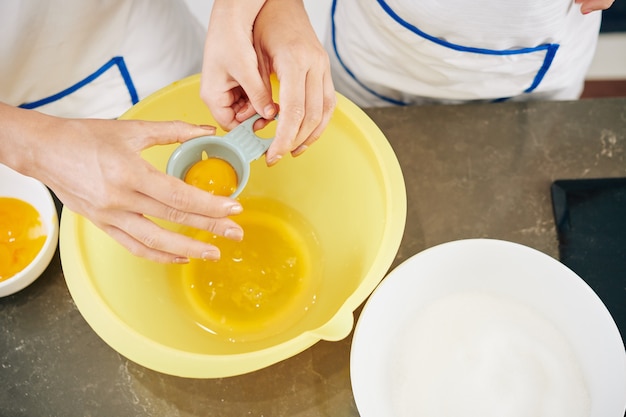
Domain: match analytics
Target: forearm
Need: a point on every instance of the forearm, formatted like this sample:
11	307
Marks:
20	137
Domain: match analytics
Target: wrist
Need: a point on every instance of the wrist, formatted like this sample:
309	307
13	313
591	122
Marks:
20	138
237	12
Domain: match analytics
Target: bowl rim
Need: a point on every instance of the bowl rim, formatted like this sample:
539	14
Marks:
366	348
172	361
40	263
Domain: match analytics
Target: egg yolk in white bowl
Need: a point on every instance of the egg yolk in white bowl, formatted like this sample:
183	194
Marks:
22	235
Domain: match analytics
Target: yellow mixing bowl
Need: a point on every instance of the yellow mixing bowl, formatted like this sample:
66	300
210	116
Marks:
348	186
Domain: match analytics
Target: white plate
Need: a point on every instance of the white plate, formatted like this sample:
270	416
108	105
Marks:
507	270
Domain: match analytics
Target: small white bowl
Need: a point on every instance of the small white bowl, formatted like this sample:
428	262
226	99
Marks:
413	337
13	184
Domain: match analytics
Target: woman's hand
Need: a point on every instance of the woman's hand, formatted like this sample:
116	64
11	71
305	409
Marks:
236	74
95	168
588	6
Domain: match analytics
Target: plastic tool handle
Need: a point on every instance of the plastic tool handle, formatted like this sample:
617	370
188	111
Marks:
251	145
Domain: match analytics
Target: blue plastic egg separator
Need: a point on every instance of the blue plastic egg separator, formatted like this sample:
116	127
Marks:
239	148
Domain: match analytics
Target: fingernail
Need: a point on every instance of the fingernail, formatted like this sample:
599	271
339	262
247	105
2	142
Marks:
181	260
299	150
273	160
234	233
211	255
270	111
236	209
208	127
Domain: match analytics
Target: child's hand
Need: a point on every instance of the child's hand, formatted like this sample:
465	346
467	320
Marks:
236	74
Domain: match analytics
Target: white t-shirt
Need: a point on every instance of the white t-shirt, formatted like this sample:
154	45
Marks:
94	58
388	52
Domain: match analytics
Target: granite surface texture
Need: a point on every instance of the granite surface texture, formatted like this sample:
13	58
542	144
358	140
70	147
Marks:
475	170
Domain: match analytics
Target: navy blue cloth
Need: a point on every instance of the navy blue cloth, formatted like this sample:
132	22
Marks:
590	217
614	18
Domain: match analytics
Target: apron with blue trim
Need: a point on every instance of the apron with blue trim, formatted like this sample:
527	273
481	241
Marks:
380	56
89	58
112	77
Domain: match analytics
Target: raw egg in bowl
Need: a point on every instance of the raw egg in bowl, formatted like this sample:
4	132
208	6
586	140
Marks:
320	232
29	230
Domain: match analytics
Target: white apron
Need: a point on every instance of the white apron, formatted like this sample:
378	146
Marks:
386	52
94	58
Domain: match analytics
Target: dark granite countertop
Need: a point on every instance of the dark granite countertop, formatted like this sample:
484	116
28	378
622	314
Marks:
480	170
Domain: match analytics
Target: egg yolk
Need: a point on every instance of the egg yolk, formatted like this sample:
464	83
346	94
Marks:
213	175
22	235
